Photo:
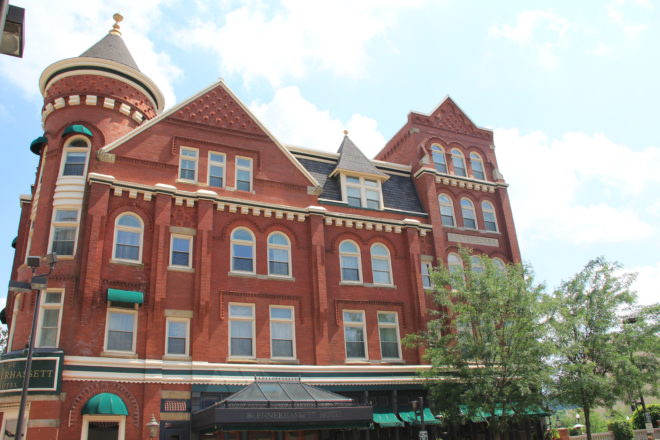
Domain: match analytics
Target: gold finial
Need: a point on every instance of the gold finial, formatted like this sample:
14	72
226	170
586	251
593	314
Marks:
345	132
115	27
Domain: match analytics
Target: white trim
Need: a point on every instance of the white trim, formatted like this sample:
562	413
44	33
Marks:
363	188
450	205
286	247
43	306
490	210
252	244
242	319
350	254
133	312
462	157
186	322
481	161
182	157
64	224
394	325
437	146
378	257
363	326
69	149
223	164
249	169
131	229
474	214
291	321
188	238
121	421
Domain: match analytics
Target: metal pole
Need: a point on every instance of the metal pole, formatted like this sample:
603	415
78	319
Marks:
26	373
4	8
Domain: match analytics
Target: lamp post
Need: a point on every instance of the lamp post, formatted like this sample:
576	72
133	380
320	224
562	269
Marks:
38	283
12	29
153	426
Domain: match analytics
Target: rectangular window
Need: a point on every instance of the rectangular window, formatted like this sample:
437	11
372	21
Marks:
65	228
362	193
388	330
426	274
355	334
282	343
121	330
241	330
177	336
243	174
188	164
181	255
216	170
50	315
74	163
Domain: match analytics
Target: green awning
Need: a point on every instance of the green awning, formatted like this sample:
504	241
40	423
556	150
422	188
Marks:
386	419
482	416
37	144
105	403
13	242
414	419
77	128
127	296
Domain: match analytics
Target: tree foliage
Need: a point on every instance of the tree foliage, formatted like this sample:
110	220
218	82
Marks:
486	335
638	420
583	328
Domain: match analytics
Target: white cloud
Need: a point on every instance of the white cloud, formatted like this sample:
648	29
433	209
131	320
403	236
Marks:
299	35
647	284
55	31
294	120
547	177
615	10
542	31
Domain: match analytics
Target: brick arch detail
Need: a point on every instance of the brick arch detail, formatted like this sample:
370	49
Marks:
75	412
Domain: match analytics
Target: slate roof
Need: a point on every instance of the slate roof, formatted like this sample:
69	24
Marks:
352	159
112	48
398	191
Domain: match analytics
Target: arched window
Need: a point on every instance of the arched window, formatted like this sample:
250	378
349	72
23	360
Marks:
242	250
454	262
279	255
469	218
477	166
438	156
475	262
75	157
349	260
381	266
499	265
458	161
490	223
128	238
446	210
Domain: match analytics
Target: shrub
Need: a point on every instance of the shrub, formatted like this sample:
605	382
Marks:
638	416
622	429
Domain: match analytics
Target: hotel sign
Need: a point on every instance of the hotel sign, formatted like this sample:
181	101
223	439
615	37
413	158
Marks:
45	374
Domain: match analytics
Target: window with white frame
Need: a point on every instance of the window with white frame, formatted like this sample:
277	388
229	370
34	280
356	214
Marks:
490	223
454	262
439	160
282	332
75	157
9	422
388	330
381	265
241	330
279	255
50	319
355	334
181	251
362	192
243	173
128	238
349	261
216	169
242	250
121	327
446	210
477	165
458	161
188	159
426	274
177	343
65	231
469	217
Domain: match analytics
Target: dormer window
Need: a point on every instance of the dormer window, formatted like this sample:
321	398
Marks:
362	192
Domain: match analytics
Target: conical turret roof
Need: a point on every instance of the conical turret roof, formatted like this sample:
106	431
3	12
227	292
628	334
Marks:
112	48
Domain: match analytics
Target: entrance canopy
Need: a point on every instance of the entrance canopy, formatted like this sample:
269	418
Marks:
268	404
105	403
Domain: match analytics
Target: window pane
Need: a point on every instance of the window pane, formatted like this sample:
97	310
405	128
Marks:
355	349
349	262
188	153
74	164
281	313
180	244
176	346
53	298
355	202
240	311
277	268
353	317
48	337
242	264
278	239
387	318
282	348
129	220
121	322
180	259
216	157
66	215
241	234
241	329
176	329
241	347
281	330
381	277
242	251
122	341
243	162
389	349
351	179
50	317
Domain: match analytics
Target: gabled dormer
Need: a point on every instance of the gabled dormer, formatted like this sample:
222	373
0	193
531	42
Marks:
361	182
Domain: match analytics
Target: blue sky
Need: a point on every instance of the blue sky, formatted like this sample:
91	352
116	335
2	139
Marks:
570	88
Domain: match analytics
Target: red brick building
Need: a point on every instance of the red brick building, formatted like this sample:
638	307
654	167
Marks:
199	255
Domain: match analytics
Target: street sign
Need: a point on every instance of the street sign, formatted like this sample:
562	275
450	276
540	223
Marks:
423	435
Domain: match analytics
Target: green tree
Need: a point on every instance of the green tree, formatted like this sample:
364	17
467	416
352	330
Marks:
487	335
3	339
583	324
638	419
